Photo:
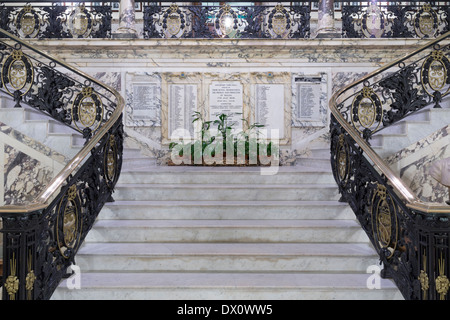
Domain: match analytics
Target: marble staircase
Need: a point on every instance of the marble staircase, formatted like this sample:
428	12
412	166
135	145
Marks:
410	130
36	125
225	233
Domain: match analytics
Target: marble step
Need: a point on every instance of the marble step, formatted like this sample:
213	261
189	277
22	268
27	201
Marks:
194	209
226	286
410	130
226	257
226	192
301	230
224	175
314	162
39	127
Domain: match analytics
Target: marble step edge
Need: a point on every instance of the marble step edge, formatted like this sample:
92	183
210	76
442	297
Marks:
195	249
245	209
230	231
231	280
226	223
218	185
226	203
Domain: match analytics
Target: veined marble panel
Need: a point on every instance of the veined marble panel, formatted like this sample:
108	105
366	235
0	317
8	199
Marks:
229	52
26	168
413	164
122	62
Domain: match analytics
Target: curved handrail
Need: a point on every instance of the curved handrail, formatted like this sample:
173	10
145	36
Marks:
412	200
41	201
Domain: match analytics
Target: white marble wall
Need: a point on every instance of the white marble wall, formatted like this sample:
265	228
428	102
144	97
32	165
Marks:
124	62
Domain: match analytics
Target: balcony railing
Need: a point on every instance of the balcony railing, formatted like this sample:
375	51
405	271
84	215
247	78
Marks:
226	21
42	235
378	19
411	236
56	21
287	20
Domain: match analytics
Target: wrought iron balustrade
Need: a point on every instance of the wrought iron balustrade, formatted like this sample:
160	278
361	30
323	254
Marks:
41	237
56	21
226	21
411	236
375	19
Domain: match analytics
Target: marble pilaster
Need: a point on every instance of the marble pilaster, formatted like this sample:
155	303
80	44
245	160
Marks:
127	20
325	27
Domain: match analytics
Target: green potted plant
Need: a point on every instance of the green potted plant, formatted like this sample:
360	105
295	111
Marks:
246	147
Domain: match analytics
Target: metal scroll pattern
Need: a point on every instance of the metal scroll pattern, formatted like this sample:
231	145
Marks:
390	97
80	105
57	21
51	239
226	21
395	21
39	246
413	247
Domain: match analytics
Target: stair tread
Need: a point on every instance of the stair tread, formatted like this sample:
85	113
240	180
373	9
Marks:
179	280
220	185
224	223
222	169
227	249
196	203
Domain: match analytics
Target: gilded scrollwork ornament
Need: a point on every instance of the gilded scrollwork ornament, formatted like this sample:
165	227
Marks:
87	110
384	221
435	75
366	110
69	222
17	74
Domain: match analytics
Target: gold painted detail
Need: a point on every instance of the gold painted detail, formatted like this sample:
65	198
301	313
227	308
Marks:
426	21
80	22
110	160
343	163
31	277
384	223
442	282
88	109
70	218
30	280
69	224
12	282
173	22
423	277
28	22
366	105
279	21
19	73
435	73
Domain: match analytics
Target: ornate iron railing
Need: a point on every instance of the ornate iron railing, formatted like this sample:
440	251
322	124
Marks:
226	21
384	20
56	21
42	237
411	236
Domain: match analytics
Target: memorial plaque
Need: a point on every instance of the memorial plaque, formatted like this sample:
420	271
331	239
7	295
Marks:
146	104
308	91
269	107
226	97
182	104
